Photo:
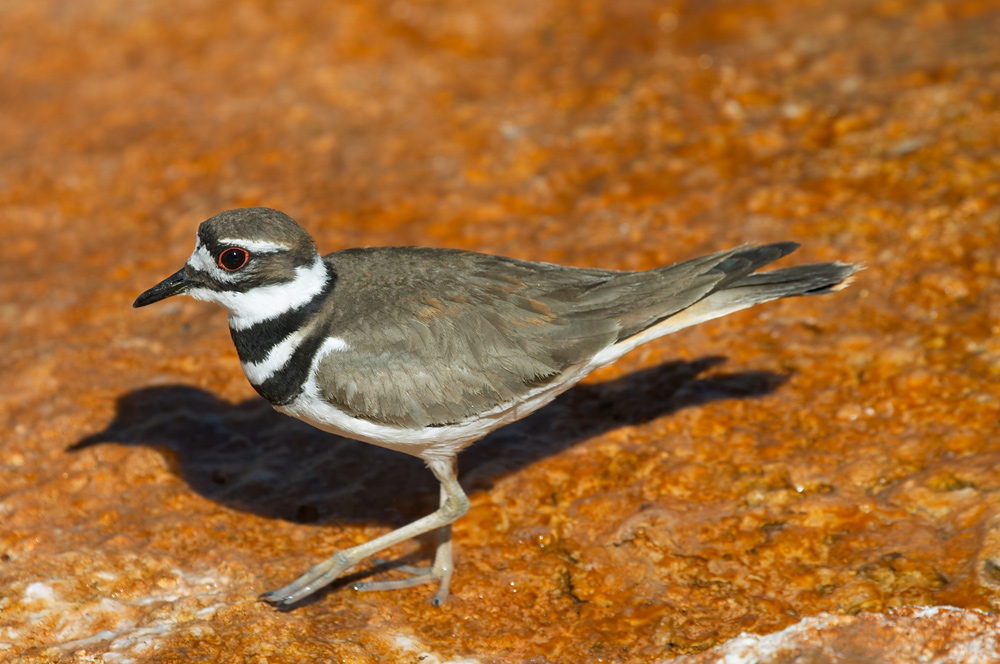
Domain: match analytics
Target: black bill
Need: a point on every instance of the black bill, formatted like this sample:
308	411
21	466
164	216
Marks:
175	284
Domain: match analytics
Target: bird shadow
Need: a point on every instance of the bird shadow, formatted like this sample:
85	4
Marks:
248	457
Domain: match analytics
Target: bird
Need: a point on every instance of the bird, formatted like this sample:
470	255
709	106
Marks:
426	350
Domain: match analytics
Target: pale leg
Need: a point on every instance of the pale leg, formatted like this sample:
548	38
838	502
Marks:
440	571
453	505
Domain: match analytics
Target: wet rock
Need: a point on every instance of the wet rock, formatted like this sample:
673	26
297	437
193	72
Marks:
944	635
801	470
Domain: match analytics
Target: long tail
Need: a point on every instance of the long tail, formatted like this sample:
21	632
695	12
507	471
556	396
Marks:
713	286
740	285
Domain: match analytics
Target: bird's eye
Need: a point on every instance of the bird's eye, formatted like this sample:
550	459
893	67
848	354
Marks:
233	259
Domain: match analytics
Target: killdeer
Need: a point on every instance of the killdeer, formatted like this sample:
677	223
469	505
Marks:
425	351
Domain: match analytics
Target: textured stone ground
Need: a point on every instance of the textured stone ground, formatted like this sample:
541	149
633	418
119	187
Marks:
934	635
814	460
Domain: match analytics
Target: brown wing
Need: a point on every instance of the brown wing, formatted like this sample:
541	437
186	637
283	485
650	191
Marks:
452	334
431	348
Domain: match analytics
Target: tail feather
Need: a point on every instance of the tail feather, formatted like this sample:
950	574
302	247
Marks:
659	302
737	286
744	260
814	279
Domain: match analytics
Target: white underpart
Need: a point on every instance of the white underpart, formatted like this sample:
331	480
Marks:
426	443
331	344
258	372
266	302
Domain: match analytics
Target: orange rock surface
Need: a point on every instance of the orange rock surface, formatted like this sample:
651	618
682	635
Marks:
831	455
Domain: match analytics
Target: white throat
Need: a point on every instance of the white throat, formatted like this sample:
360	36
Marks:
267	302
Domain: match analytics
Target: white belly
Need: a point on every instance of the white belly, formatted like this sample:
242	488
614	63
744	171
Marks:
428	442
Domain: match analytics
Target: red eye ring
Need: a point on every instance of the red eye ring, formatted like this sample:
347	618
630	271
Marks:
233	258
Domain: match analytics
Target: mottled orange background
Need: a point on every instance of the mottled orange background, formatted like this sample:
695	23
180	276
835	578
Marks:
832	454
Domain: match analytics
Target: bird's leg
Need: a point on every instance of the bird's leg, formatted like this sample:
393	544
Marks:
453	505
440	571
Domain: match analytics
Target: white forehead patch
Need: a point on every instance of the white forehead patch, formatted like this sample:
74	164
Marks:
202	261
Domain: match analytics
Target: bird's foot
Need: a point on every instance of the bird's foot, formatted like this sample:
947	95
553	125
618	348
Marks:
317	577
439	573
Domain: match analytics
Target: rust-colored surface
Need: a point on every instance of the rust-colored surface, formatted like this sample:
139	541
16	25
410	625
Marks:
943	635
834	454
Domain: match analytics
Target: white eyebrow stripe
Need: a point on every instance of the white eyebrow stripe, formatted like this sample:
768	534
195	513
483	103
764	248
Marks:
259	246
